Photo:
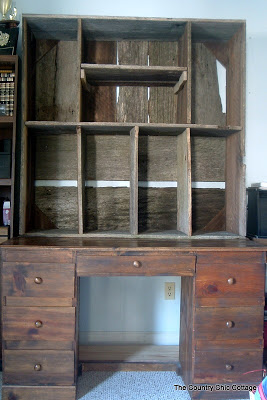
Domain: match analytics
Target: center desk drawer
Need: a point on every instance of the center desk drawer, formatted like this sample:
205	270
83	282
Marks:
135	265
32	367
38	280
38	323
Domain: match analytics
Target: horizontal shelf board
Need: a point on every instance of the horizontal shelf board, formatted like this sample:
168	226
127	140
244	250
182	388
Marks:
5	182
115	184
64	27
56	127
132	75
126	235
129	353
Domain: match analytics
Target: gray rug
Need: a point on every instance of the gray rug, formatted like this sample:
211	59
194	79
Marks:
130	386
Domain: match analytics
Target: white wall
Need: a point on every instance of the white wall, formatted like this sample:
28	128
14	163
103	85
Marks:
136	305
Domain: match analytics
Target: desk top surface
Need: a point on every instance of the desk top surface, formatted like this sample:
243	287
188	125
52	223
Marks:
120	244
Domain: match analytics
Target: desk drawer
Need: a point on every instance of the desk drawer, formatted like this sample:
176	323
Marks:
136	265
38	323
230	280
227	366
32	367
38	280
228	323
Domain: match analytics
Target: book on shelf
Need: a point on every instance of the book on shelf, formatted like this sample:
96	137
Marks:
7	91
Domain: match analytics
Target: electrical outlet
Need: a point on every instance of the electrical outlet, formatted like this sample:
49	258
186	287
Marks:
169	290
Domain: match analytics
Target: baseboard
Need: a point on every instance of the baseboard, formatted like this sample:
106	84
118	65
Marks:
155	338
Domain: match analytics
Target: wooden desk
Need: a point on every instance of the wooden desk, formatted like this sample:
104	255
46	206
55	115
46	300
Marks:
222	301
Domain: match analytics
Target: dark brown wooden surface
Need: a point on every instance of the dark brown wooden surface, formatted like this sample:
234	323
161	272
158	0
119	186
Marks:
57	367
139	265
228	323
58	323
247	281
39	392
210	366
57	280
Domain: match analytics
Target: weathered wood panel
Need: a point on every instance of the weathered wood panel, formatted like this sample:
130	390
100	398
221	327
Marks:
59	205
39	392
184	59
158	158
132	103
134	182
56	157
57	92
157	209
206	101
99	105
107	209
206	204
107	157
162	101
208	159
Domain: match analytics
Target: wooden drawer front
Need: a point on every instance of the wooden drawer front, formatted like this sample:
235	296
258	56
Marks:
40	393
20	323
41	280
136	265
229	323
31	367
227	366
230	280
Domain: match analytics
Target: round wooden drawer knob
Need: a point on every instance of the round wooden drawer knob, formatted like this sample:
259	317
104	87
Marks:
231	281
38	280
137	264
229	324
228	367
37	367
38	324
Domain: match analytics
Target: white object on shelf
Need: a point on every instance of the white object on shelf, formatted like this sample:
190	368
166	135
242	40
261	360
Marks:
6	213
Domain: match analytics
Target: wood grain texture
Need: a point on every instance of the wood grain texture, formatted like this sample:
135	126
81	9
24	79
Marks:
59	204
187	328
100	104
134	181
184	197
206	100
129	354
243	323
107	157
57	367
127	367
208	159
43	255
162	105
184	59
132	105
57	98
38	345
139	265
18	279
58	323
232	257
107	209
241	361
56	157
247	281
206	204
80	178
40	392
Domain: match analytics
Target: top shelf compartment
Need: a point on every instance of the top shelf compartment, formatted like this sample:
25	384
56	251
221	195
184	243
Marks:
133	75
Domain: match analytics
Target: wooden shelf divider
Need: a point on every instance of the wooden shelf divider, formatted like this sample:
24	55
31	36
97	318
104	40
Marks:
134	181
80	178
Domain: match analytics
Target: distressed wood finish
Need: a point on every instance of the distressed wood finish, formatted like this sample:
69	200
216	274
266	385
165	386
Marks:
40	392
56	323
134	182
139	265
184	59
56	367
38	280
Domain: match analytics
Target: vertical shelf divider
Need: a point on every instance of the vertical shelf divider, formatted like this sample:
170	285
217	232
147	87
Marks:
184	197
184	60
235	144
79	42
134	133
80	178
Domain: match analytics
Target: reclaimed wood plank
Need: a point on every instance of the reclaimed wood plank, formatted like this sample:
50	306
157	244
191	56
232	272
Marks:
134	182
